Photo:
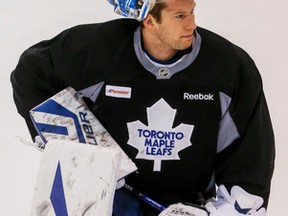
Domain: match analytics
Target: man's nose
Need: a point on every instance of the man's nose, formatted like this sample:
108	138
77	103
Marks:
191	24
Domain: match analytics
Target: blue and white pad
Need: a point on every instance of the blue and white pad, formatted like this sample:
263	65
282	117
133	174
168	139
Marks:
137	9
236	203
71	180
65	116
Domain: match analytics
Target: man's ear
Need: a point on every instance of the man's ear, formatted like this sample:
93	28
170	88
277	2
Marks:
149	22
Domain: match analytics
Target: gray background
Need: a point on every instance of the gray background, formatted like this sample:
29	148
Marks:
258	26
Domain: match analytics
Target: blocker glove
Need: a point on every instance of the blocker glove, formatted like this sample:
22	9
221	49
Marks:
238	203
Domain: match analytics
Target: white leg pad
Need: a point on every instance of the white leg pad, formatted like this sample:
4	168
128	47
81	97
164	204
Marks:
76	179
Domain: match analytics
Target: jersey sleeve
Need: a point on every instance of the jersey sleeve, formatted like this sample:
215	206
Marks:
76	57
36	76
249	160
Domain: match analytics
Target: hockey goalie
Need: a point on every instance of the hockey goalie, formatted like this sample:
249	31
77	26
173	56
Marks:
146	115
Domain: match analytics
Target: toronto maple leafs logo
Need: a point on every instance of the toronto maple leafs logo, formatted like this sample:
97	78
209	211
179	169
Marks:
159	141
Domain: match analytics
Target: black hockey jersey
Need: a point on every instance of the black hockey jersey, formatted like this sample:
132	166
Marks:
189	125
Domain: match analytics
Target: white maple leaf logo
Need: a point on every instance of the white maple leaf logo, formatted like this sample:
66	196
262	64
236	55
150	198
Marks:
159	141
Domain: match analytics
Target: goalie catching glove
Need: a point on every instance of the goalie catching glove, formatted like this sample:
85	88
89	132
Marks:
237	203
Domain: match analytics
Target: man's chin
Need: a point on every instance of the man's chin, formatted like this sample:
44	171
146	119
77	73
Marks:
185	46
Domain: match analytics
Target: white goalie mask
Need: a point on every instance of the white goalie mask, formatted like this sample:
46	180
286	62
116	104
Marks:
137	9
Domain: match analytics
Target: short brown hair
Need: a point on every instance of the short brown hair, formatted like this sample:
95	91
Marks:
156	11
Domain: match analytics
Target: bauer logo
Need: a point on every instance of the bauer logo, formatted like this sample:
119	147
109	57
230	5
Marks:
118	91
198	97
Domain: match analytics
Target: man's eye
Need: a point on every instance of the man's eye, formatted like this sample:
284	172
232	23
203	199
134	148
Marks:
180	16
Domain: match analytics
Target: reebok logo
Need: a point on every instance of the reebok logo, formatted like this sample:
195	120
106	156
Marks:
198	96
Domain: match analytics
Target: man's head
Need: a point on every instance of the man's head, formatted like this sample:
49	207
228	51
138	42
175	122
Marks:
169	27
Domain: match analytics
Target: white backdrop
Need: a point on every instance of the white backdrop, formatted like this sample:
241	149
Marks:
258	26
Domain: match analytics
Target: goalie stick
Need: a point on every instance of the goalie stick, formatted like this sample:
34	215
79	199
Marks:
144	198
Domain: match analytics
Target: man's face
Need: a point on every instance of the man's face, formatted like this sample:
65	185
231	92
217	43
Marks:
177	24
